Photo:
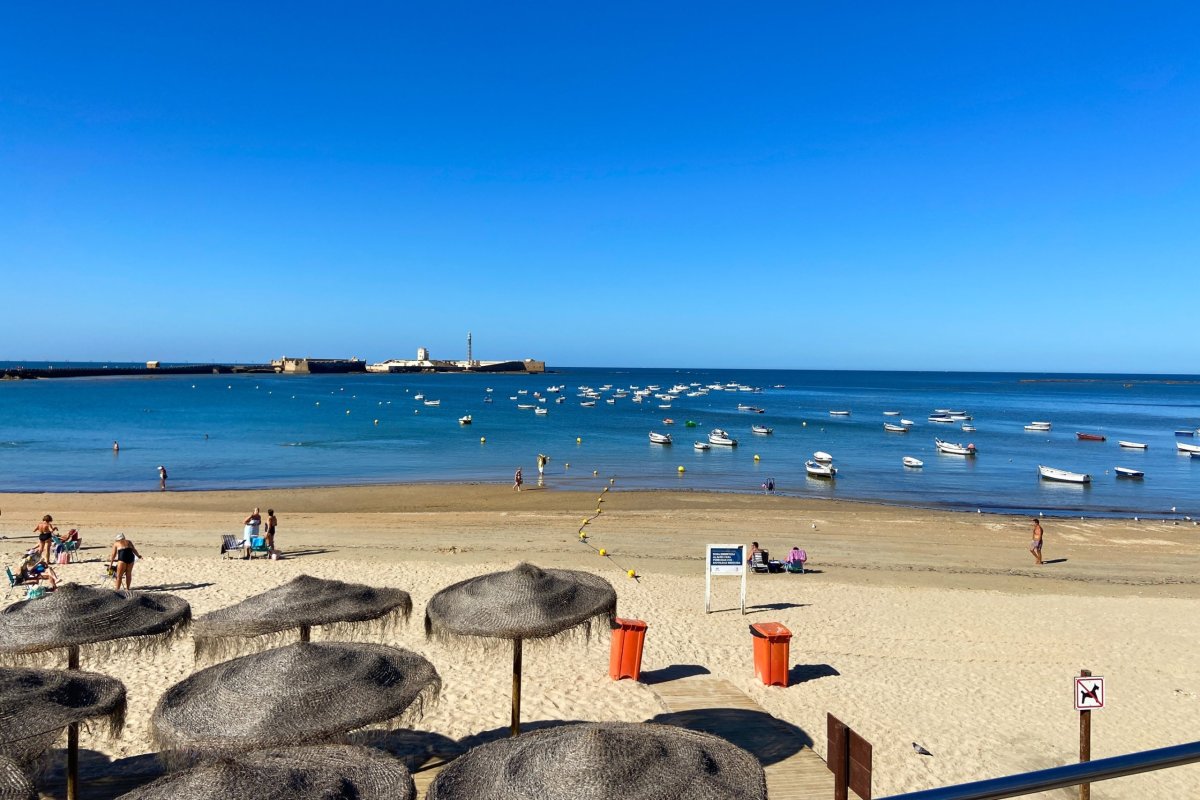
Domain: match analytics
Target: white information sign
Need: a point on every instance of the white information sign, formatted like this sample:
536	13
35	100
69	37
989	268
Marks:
724	559
1089	693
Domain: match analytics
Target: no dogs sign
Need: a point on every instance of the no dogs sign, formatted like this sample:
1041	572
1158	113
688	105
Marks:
1089	693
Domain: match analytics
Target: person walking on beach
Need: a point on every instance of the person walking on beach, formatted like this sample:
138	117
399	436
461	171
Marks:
45	531
1035	546
122	557
162	478
517	479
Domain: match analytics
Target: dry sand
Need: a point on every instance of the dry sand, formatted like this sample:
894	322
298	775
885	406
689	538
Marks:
913	626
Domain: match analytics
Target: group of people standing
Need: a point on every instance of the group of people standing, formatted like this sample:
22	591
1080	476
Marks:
519	478
252	528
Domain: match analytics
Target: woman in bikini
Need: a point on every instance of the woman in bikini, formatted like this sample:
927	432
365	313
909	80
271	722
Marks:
45	531
123	555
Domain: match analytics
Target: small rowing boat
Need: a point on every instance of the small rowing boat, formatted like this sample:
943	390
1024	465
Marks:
891	413
1185	432
660	438
943	418
1126	472
908	423
822	457
1132	445
761	430
915	463
1089	437
818	470
953	448
1038	426
887	426
541	412
1187	448
1062	475
968	427
839	413
702	446
433	402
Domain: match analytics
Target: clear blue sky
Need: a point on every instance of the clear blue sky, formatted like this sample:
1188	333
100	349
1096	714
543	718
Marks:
868	185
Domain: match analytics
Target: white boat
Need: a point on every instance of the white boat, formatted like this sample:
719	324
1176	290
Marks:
702	446
720	437
1038	426
1132	445
588	403
943	418
433	402
887	426
908	423
465	420
909	461
891	413
839	413
761	430
953	448
818	470
527	406
1127	472
960	417
967	427
822	457
660	438
1187	448
1036	429
541	412
418	397
1052	474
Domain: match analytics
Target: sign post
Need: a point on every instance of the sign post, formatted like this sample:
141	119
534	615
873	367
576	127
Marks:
1089	694
723	559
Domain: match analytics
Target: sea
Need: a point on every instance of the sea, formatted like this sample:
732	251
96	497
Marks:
265	430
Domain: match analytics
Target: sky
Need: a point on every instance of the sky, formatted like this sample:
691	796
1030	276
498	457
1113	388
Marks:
957	186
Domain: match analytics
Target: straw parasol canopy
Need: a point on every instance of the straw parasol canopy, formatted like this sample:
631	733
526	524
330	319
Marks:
76	615
331	772
303	693
303	602
525	602
14	783
37	704
604	761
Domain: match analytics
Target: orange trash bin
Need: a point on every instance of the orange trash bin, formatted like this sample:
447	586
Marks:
772	643
625	657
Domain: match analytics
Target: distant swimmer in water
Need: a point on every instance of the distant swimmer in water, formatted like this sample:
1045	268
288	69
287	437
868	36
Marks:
116	447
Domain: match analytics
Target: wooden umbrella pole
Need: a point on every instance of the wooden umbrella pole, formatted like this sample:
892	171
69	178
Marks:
73	736
305	632
515	729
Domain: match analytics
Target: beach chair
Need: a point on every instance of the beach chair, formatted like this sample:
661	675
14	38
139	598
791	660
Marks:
236	544
796	566
759	561
66	547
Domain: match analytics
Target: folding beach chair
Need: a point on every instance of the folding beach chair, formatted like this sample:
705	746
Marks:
759	561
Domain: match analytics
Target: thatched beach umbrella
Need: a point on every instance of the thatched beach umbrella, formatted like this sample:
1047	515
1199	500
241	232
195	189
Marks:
37	704
14	783
523	603
102	619
303	602
328	772
604	761
303	693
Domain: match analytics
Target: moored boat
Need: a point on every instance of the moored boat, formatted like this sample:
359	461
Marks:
943	418
527	406
1038	426
464	420
433	402
915	463
761	430
822	456
720	437
1185	432
908	423
816	469
1089	437
953	448
839	413
541	412
968	427
1052	474
1127	472
1187	448
660	438
1132	445
702	446
891	413
887	426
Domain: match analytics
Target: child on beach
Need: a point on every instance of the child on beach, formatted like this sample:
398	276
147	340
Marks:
1035	546
517	479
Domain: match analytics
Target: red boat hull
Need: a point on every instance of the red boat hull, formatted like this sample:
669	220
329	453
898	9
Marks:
1090	437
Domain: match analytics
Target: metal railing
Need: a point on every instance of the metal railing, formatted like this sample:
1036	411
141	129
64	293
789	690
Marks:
1061	777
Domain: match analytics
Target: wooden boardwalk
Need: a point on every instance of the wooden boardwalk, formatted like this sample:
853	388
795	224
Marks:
713	705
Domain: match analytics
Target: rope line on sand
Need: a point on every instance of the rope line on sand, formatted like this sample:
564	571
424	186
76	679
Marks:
583	534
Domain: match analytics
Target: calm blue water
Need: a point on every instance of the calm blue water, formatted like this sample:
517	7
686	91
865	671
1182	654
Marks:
267	430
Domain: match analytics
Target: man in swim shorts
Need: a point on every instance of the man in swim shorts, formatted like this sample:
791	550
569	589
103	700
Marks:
1035	546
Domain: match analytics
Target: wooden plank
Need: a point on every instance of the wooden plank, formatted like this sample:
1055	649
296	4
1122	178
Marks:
702	702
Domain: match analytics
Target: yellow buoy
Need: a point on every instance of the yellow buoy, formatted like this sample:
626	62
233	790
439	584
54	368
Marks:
595	472
567	466
582	535
631	574
603	552
756	458
376	422
585	522
578	440
482	439
611	481
681	469
597	511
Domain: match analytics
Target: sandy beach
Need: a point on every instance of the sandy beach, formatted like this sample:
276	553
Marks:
912	625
